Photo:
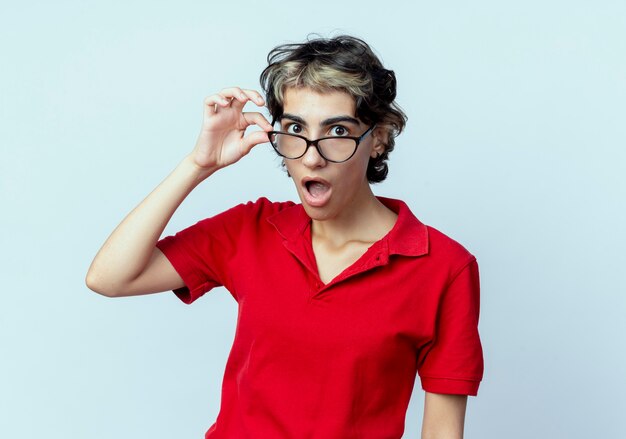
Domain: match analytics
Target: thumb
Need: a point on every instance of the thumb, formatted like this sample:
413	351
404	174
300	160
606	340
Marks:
253	139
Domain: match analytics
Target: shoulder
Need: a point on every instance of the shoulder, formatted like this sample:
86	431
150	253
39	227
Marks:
266	207
251	210
444	244
249	214
447	250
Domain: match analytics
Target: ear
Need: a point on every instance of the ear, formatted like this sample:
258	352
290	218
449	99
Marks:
379	137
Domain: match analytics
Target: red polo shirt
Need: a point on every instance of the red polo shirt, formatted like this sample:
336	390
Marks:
336	360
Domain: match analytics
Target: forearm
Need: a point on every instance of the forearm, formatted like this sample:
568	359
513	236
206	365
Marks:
127	250
442	434
444	416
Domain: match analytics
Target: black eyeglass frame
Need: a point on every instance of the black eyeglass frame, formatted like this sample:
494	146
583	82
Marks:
314	143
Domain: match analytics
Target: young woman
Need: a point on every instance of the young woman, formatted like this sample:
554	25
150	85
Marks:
343	298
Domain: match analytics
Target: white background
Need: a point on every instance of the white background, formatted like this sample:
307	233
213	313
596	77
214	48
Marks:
514	147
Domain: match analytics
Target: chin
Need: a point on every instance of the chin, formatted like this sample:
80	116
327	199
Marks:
318	213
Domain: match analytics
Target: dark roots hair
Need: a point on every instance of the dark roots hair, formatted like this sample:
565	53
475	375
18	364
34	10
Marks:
342	63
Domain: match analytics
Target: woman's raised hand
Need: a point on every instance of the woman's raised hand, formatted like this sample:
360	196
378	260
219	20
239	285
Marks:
221	141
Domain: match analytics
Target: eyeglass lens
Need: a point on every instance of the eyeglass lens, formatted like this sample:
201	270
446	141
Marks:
335	149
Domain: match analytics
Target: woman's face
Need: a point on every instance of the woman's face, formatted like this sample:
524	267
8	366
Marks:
328	190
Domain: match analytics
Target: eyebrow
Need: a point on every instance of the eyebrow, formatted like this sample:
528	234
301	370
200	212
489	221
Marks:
325	122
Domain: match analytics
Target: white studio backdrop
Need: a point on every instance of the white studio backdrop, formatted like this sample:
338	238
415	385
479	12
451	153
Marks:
514	147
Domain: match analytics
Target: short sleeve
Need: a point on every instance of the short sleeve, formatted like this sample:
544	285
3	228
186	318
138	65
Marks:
200	253
454	362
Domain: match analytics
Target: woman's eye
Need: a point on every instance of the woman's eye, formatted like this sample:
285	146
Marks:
339	131
293	128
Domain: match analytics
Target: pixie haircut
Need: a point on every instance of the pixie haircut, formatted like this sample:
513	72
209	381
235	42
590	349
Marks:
342	63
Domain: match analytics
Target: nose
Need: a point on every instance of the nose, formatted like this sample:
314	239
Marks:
312	158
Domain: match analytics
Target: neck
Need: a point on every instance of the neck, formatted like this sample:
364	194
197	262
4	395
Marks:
366	219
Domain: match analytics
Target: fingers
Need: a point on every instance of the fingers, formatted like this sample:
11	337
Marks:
243	95
253	139
233	96
215	101
257	119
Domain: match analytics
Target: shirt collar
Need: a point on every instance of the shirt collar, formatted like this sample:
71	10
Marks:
409	236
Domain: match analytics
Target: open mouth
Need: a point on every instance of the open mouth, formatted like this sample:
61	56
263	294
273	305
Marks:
317	191
316	188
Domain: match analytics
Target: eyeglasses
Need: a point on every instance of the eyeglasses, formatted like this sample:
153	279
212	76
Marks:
336	149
